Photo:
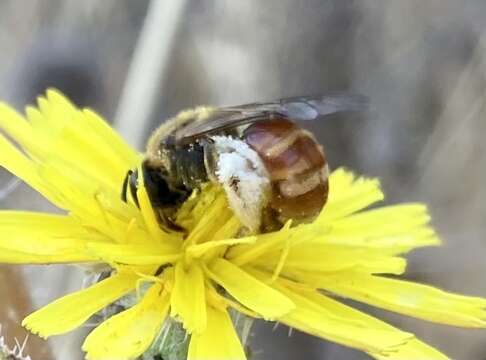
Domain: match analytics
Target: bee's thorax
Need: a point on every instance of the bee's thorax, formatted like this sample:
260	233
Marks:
188	162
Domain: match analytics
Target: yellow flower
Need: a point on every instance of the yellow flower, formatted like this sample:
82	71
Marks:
291	276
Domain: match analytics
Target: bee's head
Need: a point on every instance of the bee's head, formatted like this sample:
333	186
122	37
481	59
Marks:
157	183
163	198
153	180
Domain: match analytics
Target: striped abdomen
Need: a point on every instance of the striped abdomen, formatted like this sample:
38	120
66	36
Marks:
296	164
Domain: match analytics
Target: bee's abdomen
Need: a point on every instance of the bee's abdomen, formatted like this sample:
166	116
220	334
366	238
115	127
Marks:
296	165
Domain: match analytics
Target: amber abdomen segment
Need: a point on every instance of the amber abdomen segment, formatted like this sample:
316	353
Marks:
296	165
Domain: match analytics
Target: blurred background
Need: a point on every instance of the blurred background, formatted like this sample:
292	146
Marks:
422	63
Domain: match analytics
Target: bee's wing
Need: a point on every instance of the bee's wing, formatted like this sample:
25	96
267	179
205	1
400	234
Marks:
218	120
313	107
296	108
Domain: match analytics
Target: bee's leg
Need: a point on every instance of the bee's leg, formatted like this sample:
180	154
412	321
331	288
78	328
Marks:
125	186
169	223
161	269
243	177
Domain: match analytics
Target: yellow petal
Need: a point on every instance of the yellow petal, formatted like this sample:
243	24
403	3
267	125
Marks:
206	228
412	349
405	297
42	221
53	238
221	241
395	229
249	291
72	130
57	110
196	206
18	164
391	230
95	204
17	128
266	243
59	131
68	130
111	138
71	311
188	298
218	342
315	319
134	254
348	195
222	302
96	157
198	250
129	334
331	258
83	200
36	238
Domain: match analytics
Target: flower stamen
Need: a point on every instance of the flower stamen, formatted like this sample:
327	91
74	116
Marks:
281	262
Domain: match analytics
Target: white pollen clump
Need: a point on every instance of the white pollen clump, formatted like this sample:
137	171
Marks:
243	176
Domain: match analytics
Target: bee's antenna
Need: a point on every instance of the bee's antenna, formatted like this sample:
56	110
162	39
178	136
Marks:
125	186
133	182
131	179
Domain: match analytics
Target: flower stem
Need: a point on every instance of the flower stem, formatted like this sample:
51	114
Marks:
171	344
173	341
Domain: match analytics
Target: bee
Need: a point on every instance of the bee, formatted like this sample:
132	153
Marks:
270	168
